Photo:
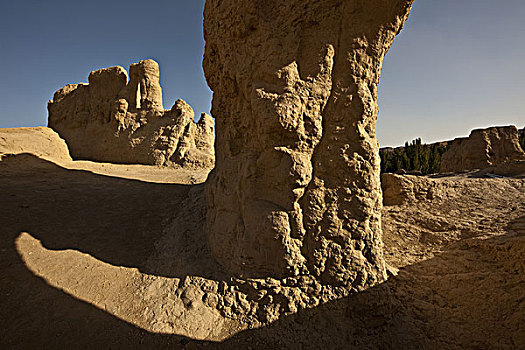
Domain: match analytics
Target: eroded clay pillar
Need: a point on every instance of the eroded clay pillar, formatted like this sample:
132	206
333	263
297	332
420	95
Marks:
296	186
145	91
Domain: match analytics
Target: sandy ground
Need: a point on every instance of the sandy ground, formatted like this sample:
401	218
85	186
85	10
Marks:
114	256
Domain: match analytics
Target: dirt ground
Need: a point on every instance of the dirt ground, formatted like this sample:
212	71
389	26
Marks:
114	256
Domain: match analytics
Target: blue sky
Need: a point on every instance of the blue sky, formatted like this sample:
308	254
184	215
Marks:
457	65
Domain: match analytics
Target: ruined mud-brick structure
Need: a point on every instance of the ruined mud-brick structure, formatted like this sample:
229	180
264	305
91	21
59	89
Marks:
120	120
296	188
483	148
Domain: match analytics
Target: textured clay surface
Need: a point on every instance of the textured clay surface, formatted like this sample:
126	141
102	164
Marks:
296	191
484	148
41	142
97	256
115	120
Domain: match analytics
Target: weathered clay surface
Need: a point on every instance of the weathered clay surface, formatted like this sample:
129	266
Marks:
296	188
39	141
402	189
131	257
482	149
113	120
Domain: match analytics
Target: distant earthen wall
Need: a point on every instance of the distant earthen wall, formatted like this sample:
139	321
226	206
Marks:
115	120
483	148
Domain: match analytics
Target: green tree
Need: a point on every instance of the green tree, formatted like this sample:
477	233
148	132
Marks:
414	156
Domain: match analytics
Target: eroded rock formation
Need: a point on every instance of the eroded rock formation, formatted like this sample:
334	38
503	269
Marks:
296	188
484	148
115	120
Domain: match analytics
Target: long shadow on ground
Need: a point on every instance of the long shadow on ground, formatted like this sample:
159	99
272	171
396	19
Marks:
469	297
112	219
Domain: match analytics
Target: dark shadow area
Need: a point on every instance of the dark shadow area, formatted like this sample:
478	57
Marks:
469	297
472	296
113	219
37	316
517	227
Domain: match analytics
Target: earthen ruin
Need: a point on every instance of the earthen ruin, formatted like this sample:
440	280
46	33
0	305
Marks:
296	188
482	149
115	120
